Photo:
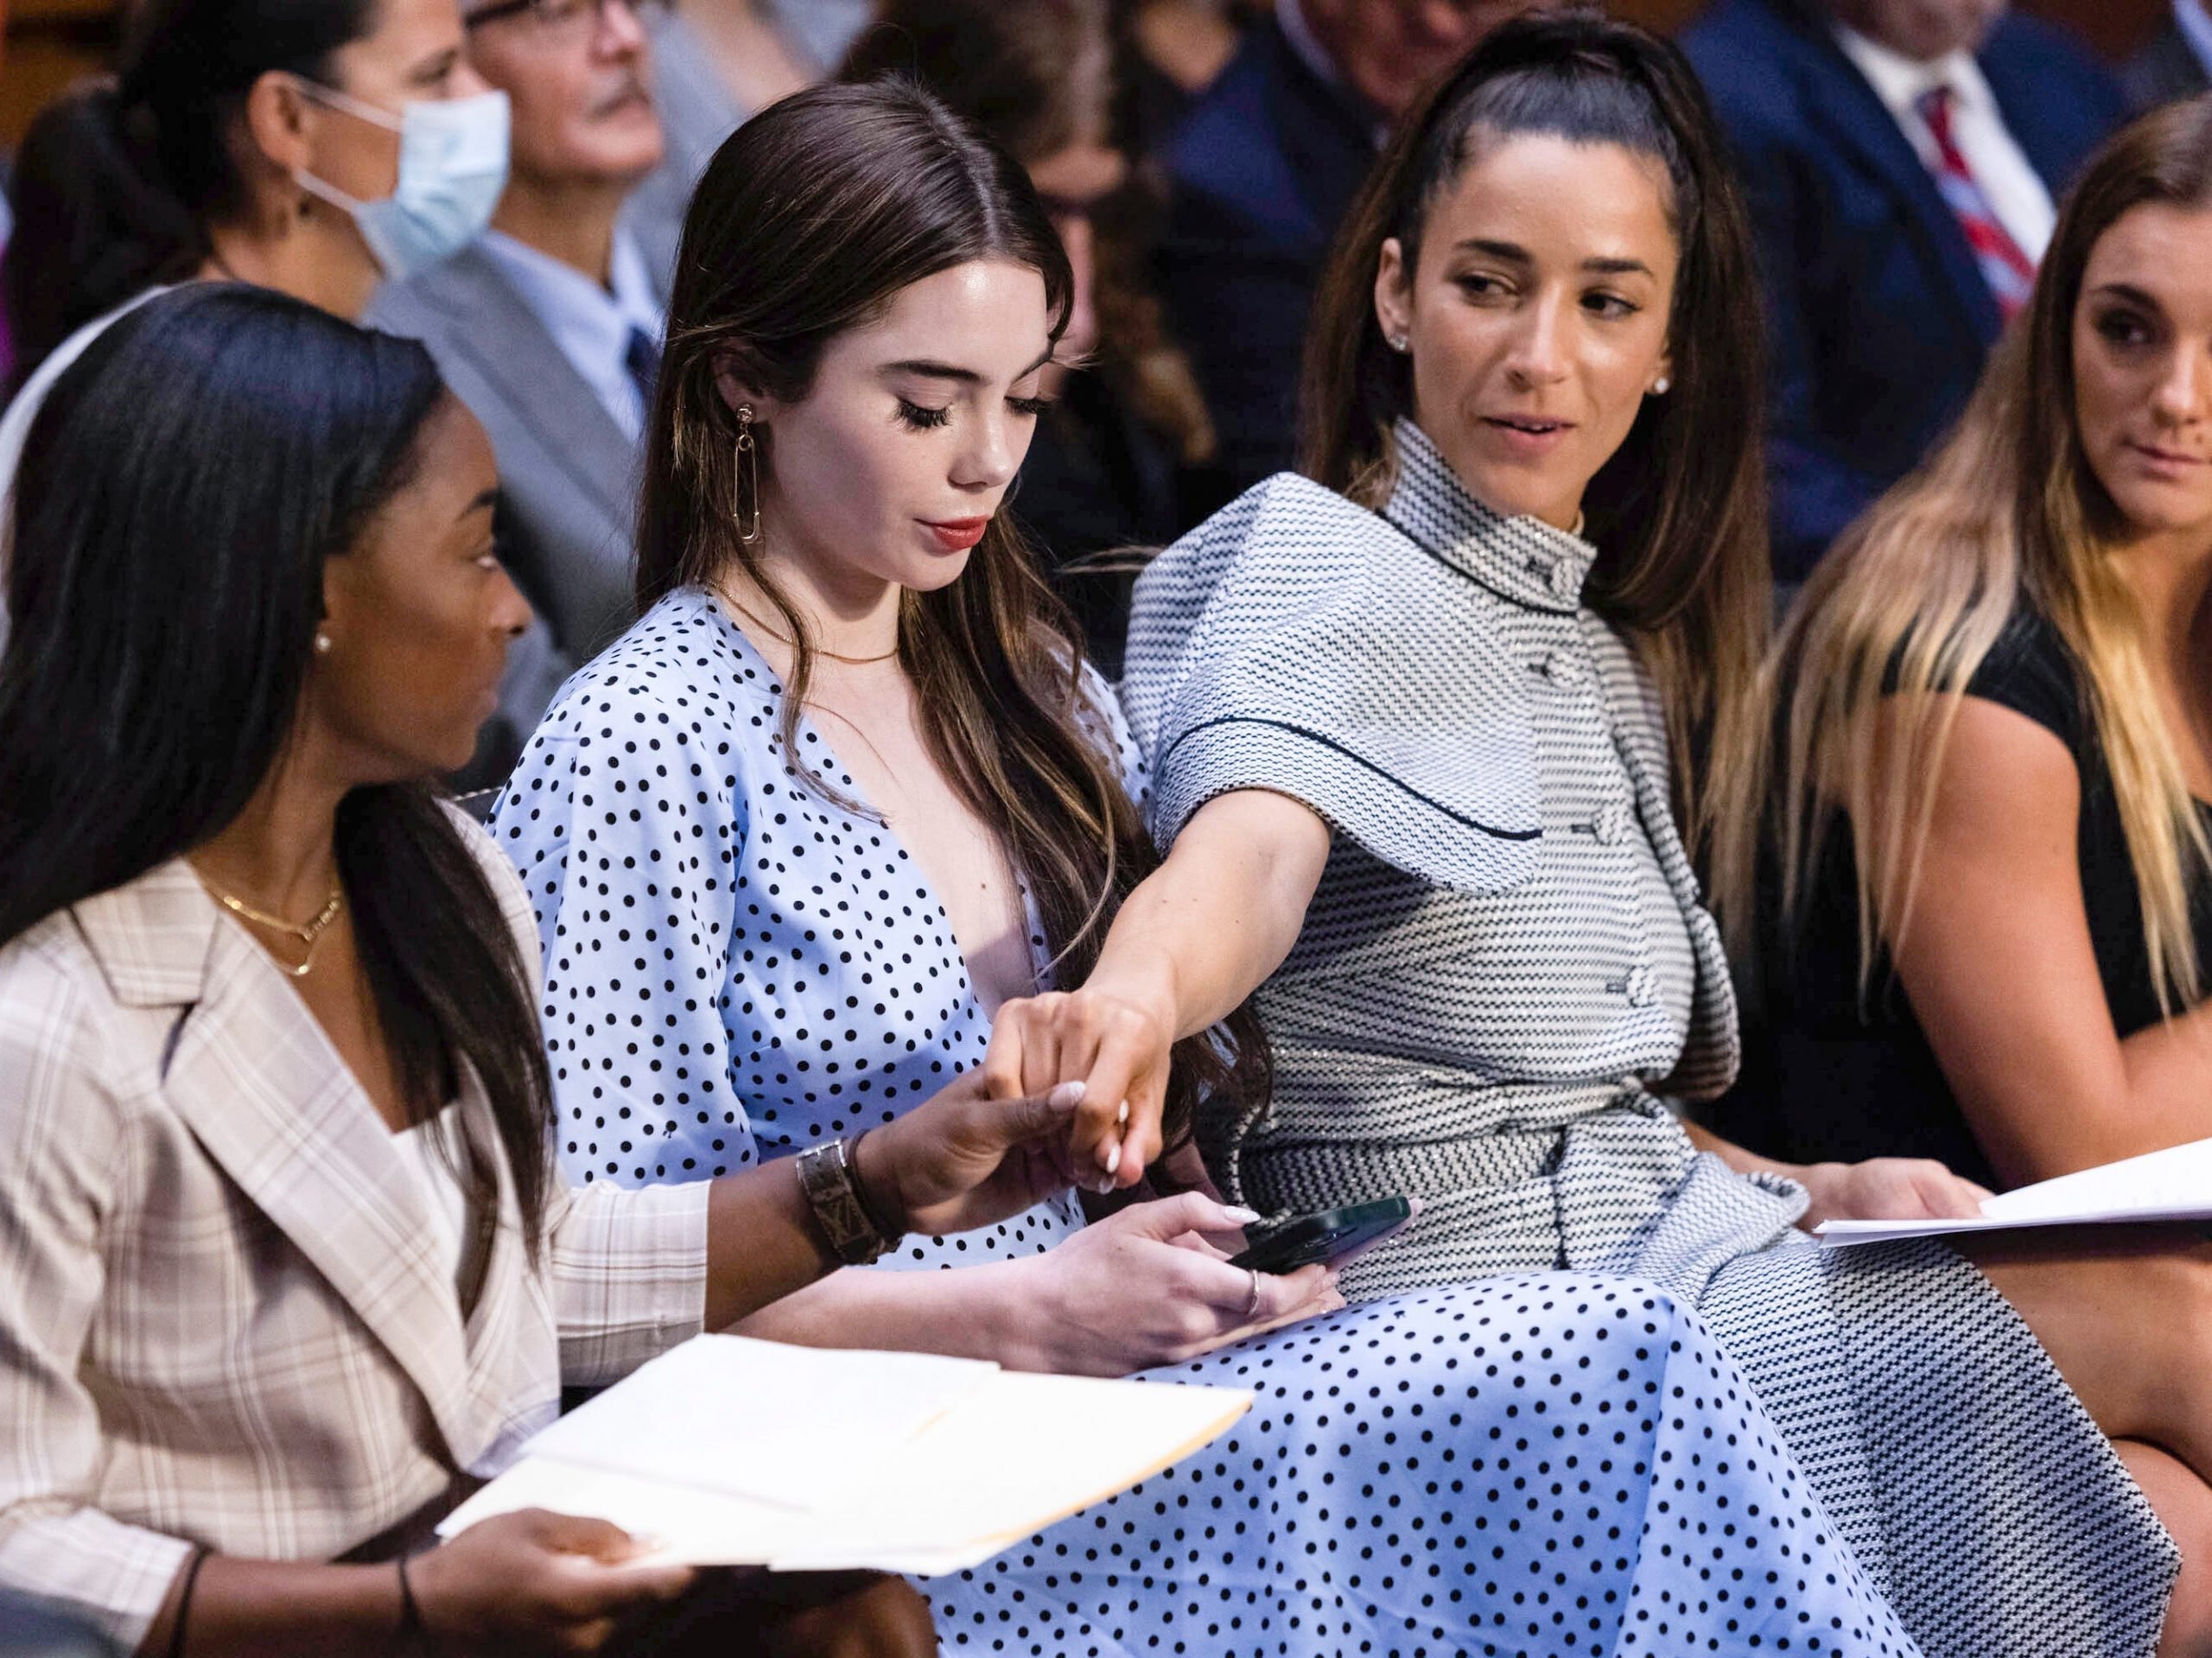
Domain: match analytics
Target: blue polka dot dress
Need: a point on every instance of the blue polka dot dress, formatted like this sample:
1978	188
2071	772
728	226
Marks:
1544	1463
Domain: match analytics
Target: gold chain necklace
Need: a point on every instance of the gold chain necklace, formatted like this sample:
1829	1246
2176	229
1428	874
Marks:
309	934
819	650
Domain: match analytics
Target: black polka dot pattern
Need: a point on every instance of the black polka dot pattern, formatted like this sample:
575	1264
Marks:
735	966
1546	1464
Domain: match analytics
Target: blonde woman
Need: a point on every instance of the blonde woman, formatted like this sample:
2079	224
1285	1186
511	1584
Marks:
1986	910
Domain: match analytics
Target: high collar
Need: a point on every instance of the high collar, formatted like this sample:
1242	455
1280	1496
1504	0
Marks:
1522	559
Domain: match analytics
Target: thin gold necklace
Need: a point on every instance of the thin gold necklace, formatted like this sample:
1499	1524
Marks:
819	650
310	934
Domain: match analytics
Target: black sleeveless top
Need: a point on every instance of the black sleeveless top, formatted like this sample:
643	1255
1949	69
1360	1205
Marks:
1829	1075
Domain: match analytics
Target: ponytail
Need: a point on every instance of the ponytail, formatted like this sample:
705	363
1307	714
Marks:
96	220
116	184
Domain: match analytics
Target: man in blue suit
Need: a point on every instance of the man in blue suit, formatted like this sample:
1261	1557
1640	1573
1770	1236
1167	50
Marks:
1902	159
1261	172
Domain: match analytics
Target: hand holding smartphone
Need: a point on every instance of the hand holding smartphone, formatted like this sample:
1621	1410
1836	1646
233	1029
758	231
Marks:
1332	1234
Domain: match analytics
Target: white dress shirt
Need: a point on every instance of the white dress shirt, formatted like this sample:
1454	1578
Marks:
591	325
2016	191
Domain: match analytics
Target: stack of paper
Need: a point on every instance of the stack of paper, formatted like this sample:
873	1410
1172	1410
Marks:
730	1452
2174	1184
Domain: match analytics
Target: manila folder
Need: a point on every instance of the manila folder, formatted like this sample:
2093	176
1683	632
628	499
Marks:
731	1451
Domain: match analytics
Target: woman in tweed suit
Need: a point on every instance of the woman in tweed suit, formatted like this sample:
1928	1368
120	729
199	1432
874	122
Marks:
1421	724
284	1265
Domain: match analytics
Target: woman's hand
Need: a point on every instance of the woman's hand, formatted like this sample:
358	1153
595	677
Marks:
968	1158
1150	1286
1886	1189
536	1582
1117	1043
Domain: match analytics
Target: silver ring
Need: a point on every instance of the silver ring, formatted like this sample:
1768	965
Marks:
1252	1305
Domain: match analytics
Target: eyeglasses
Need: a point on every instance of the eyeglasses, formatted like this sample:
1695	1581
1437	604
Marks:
565	17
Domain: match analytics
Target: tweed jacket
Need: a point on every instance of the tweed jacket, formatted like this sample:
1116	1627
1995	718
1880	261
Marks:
222	1317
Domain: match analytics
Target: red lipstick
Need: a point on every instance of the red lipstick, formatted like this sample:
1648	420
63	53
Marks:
957	535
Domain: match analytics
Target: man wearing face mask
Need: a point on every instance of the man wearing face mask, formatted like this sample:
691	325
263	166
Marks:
549	328
1261	172
316	148
1902	158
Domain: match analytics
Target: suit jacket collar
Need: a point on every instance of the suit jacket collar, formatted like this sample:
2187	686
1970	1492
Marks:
495	327
1327	133
1522	559
2165	70
266	1094
2020	87
1844	106
2187	40
151	936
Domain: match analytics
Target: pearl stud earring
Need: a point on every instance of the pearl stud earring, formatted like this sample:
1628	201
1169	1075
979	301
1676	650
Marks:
1661	386
322	645
1398	342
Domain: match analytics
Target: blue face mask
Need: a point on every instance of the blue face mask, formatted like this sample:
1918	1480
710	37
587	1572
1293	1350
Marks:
452	165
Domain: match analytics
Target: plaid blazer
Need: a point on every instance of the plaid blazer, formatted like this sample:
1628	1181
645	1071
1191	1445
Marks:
222	1318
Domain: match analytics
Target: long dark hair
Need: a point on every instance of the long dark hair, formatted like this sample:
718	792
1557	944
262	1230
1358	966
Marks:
116	183
808	219
179	491
1678	514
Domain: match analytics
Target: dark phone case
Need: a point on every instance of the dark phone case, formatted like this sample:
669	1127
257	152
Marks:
1323	1236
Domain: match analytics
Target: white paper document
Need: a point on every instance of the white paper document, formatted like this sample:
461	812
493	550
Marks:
731	1451
2174	1184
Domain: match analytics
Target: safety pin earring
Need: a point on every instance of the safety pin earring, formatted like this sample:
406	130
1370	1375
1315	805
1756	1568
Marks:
748	476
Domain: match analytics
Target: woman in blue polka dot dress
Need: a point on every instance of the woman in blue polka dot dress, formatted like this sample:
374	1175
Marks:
844	789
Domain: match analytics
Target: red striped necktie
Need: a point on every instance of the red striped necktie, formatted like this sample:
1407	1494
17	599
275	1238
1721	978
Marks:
2009	273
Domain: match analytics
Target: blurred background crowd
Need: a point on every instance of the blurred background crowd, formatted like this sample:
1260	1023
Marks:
1902	158
1903	164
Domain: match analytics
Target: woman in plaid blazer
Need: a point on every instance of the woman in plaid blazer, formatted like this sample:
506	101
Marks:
284	1266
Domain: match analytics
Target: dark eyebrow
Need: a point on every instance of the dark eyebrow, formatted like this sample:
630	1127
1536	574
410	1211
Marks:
485	503
932	371
1511	252
1514	253
929	370
2130	293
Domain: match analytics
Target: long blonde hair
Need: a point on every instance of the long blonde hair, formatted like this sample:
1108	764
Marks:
1868	676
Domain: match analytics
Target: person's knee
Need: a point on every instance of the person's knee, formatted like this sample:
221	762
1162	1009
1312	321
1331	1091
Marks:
2183	1505
2174	1329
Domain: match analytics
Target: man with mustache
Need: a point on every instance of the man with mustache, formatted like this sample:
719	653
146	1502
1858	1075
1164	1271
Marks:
550	326
1902	158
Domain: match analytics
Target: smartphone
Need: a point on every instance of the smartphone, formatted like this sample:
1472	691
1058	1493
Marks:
1331	1235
